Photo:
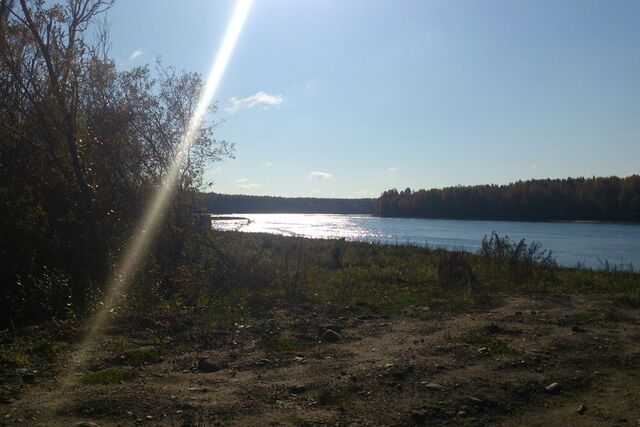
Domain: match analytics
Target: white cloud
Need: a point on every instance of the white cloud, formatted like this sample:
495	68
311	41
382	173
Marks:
259	99
266	164
391	171
135	54
316	191
319	176
365	192
246	184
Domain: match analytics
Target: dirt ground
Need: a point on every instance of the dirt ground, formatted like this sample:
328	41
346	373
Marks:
493	367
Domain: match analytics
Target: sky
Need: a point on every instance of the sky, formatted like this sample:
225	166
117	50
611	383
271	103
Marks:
348	98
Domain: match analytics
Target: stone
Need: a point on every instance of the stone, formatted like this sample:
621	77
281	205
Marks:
206	364
331	336
476	400
434	386
298	389
582	408
553	387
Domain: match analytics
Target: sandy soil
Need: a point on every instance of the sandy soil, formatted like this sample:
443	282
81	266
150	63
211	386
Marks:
488	367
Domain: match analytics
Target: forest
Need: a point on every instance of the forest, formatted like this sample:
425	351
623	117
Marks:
232	203
571	199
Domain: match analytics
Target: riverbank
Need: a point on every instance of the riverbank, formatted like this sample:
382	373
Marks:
313	332
573	244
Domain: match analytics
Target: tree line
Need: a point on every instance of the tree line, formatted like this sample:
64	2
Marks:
571	199
236	203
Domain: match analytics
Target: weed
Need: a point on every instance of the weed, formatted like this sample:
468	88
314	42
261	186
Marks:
108	376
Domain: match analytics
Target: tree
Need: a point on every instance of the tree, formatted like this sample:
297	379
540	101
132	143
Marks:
83	145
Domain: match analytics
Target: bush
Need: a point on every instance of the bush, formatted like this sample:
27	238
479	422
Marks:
454	271
517	263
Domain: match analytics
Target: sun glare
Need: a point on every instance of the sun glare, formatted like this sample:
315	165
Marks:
152	217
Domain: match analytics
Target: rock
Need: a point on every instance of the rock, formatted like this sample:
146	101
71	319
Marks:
207	365
331	326
476	400
331	336
582	408
553	387
263	362
85	424
298	389
434	386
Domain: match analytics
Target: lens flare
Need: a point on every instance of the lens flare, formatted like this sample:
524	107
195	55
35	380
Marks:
152	217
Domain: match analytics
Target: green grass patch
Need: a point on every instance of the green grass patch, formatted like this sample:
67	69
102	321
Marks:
108	376
493	345
287	345
589	317
43	348
631	300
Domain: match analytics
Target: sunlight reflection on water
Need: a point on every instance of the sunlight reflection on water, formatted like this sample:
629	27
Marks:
586	243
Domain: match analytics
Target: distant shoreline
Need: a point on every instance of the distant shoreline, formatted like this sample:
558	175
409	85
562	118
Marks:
223	217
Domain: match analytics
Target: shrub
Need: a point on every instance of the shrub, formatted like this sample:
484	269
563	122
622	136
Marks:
454	271
517	263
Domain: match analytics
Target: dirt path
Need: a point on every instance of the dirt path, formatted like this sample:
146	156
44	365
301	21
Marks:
425	368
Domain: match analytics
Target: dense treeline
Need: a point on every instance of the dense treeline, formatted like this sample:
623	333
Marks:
235	203
82	146
571	199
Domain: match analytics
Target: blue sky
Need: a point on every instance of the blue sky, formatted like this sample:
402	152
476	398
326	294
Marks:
347	98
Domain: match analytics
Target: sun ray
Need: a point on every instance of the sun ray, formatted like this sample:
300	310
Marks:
152	217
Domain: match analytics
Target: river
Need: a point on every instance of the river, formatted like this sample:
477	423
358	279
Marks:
572	243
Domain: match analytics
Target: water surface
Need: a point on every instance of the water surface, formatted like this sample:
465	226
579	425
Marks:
589	244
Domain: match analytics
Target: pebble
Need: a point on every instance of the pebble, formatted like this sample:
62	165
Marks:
582	408
433	386
298	389
553	387
331	336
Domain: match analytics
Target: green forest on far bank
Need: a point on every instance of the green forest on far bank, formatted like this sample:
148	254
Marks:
571	199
